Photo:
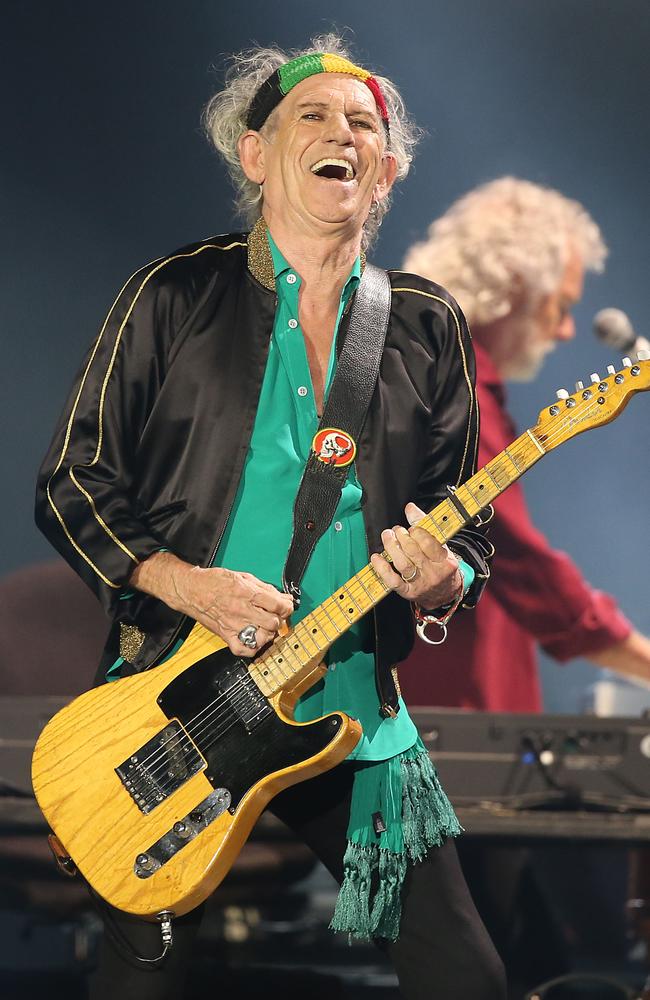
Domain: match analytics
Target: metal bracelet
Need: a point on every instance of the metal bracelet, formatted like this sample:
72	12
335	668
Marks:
421	628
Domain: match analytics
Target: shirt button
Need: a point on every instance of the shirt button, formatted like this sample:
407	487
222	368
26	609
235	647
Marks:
338	526
302	390
293	323
291	279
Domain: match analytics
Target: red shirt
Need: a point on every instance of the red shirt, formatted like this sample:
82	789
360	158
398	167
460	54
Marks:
535	595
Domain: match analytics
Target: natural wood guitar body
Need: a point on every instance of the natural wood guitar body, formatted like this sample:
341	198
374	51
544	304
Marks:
103	828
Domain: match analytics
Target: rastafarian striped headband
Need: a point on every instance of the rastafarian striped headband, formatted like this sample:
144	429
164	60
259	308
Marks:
289	74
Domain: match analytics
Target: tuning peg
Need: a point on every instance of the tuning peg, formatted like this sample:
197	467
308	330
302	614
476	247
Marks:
611	370
643	355
595	377
579	385
562	394
627	363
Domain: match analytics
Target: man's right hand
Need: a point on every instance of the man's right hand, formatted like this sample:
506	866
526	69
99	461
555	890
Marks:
222	600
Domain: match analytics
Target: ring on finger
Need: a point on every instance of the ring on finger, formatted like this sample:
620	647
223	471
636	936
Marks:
248	636
409	579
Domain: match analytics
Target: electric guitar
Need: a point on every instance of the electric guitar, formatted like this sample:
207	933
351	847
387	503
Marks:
152	783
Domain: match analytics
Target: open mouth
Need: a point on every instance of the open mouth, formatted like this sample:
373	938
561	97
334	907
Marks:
337	170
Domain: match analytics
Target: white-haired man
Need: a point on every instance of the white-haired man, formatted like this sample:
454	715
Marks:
514	254
172	478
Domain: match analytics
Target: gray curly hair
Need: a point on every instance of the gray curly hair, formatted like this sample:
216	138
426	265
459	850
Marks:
500	235
224	120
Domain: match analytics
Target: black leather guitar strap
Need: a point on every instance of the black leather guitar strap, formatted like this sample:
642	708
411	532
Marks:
341	424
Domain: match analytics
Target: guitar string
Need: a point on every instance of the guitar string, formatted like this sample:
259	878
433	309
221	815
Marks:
225	699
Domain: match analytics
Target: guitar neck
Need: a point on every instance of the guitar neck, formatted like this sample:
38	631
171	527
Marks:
310	639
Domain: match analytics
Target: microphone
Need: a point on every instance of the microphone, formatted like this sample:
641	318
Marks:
615	329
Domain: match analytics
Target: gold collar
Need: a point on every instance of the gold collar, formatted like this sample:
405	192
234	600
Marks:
260	260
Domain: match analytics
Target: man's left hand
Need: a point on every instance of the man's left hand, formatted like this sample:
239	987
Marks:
422	569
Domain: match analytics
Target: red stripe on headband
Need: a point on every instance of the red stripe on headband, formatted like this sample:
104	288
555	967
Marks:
378	96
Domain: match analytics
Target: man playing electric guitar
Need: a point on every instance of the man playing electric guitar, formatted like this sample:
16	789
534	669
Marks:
171	483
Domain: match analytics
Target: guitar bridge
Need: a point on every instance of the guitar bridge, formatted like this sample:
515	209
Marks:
159	767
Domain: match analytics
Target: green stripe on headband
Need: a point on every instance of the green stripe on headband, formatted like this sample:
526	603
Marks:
298	70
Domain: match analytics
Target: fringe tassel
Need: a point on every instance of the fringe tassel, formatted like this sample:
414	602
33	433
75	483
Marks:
369	900
428	816
352	910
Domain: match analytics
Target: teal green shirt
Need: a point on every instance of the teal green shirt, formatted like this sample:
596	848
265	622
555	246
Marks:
259	530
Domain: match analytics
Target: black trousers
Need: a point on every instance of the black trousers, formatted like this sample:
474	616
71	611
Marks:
443	951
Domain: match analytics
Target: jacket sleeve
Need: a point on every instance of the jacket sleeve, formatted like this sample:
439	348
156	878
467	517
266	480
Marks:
453	434
538	586
85	502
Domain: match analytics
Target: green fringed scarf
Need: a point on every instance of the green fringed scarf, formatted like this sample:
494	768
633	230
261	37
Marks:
399	811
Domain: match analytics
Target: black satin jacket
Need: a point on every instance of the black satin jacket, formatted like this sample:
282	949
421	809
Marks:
151	444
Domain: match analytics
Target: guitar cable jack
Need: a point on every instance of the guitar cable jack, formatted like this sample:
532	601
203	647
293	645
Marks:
166	933
120	940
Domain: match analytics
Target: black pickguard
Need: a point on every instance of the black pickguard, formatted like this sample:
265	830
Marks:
239	754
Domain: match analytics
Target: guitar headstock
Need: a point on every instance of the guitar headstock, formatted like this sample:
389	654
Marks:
594	404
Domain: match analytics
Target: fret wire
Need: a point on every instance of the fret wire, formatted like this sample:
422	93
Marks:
487	496
524	460
349	616
432	526
467	487
362	584
289	653
305	628
352	598
323	619
270	678
449	509
490	476
294	635
500	471
323	607
521	447
436	531
281	652
377	579
486	473
433	521
273	666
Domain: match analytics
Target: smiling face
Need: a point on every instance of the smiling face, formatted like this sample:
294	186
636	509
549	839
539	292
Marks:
322	160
